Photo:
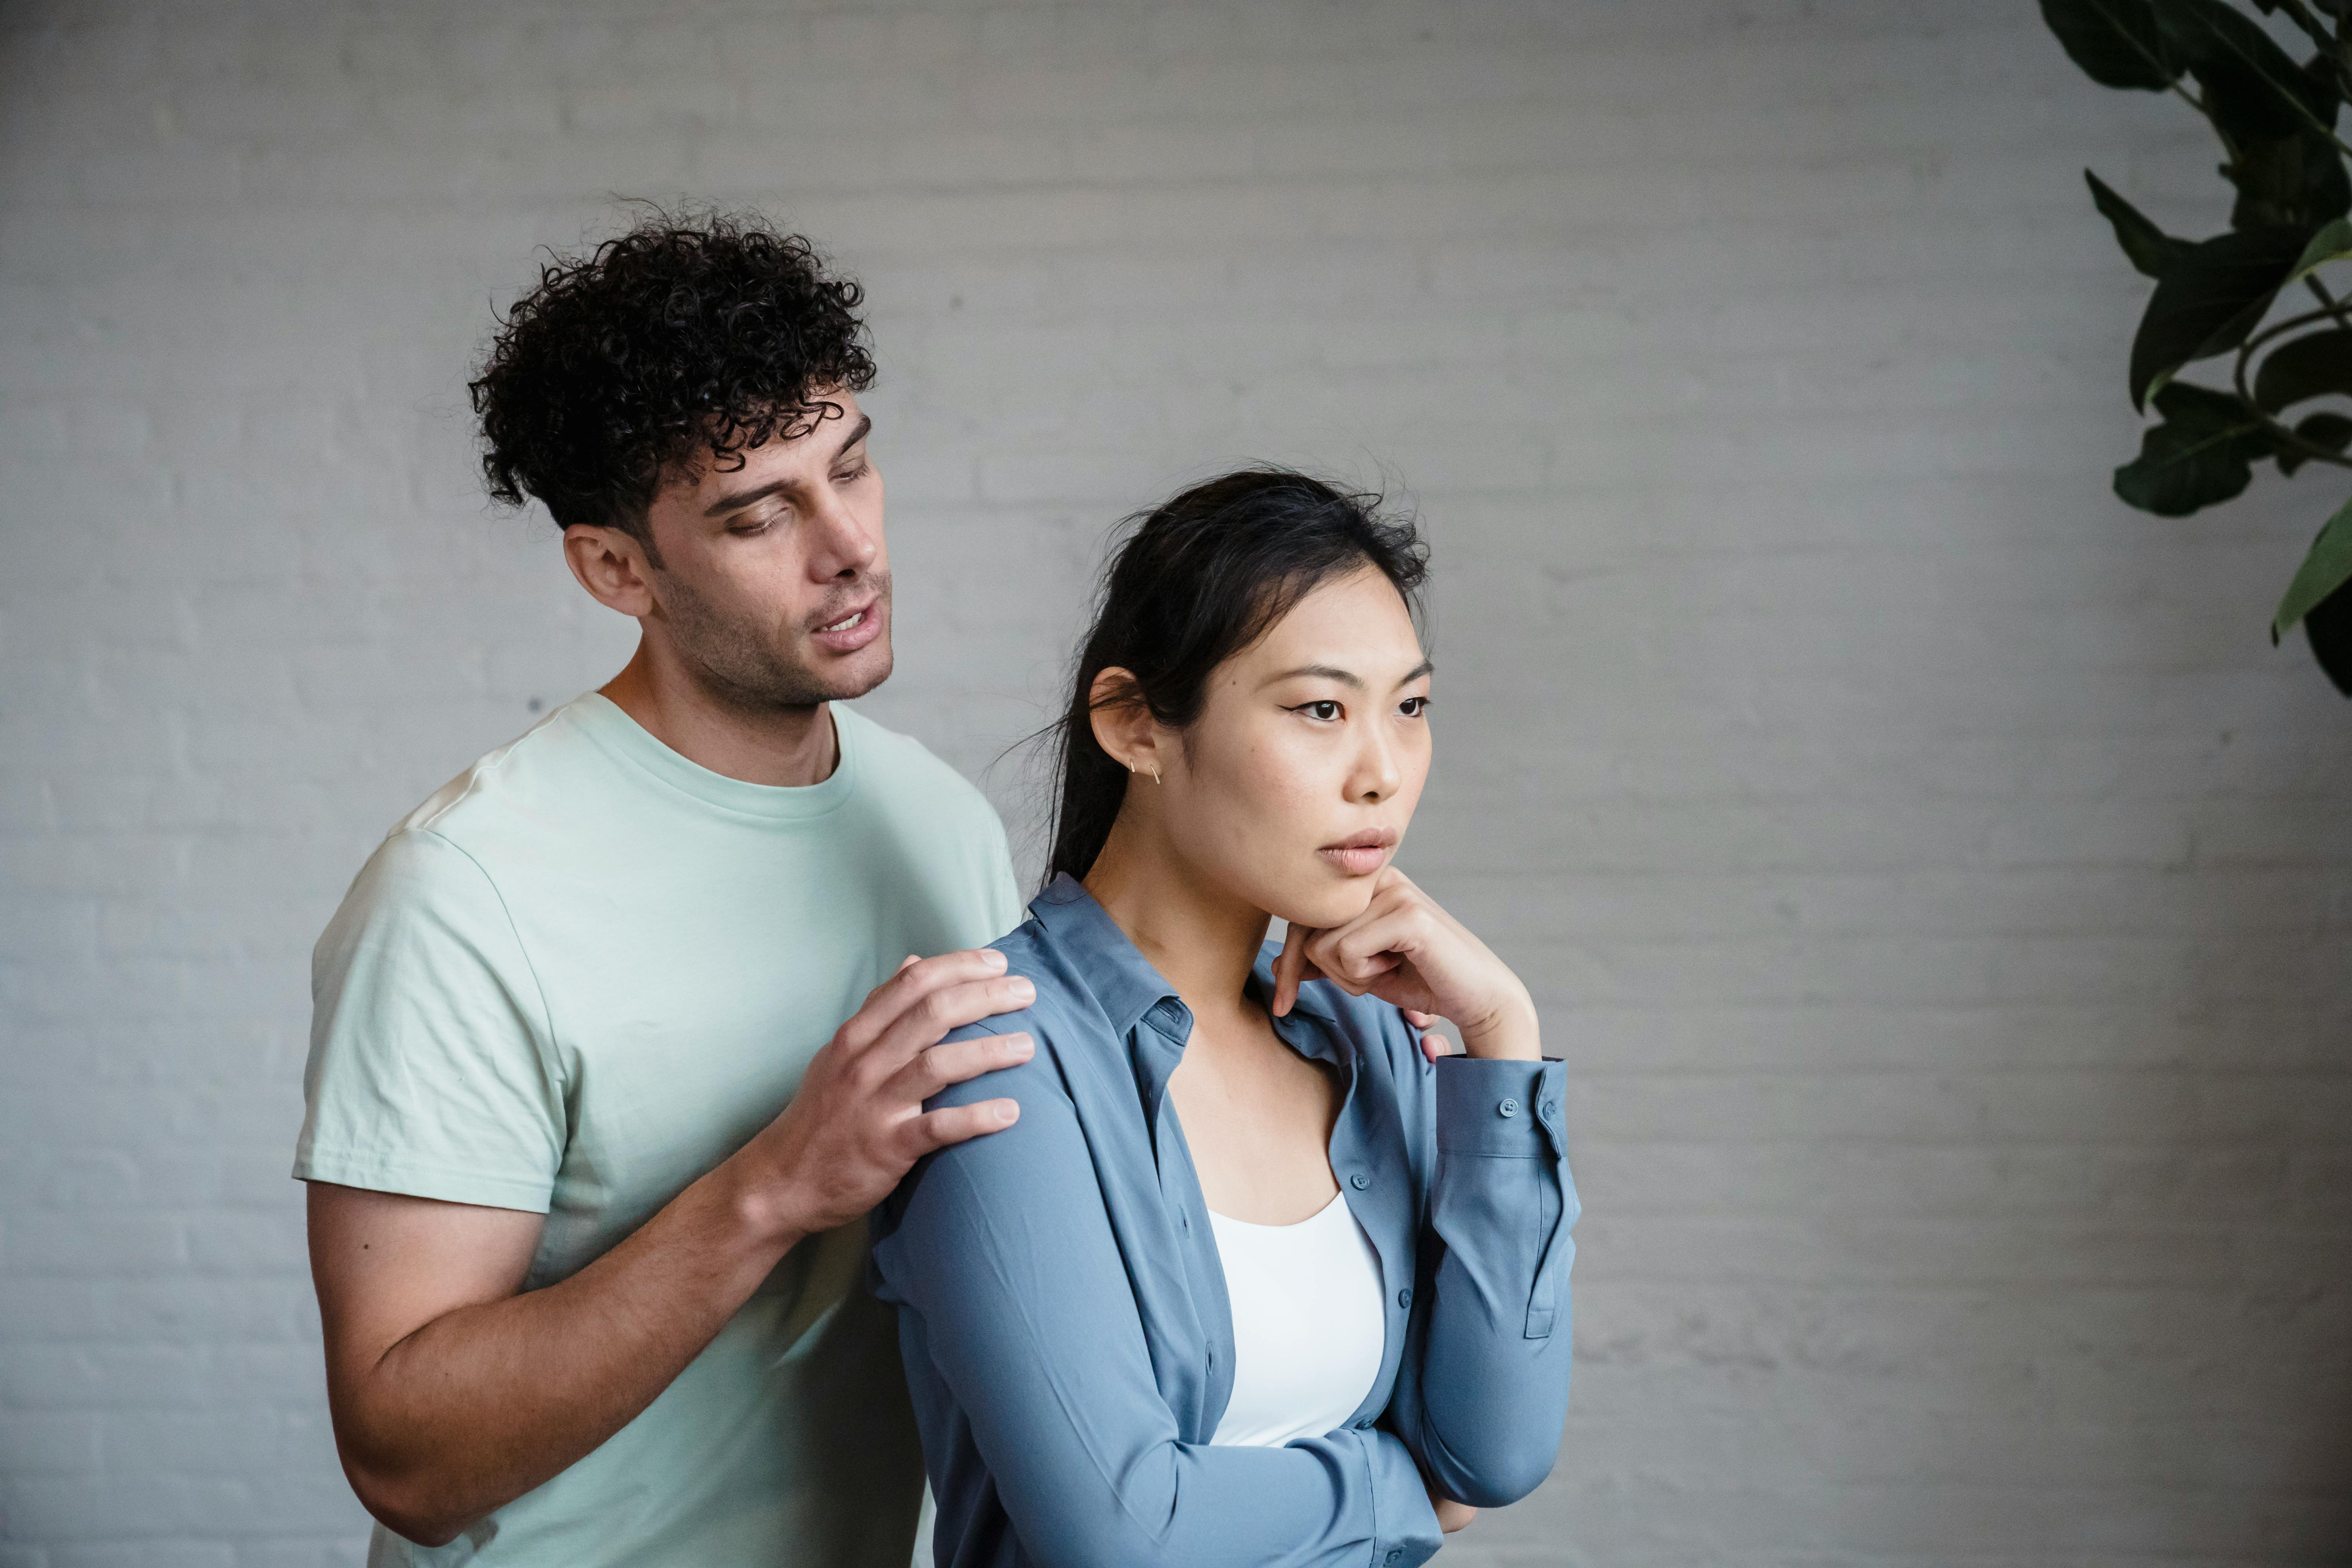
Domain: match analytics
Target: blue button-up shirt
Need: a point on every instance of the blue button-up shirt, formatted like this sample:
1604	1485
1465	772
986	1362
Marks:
1063	1314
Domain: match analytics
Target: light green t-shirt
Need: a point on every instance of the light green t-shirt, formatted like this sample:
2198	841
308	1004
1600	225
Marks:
578	977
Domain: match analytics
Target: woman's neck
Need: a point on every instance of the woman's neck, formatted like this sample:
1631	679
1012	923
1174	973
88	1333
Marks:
1202	939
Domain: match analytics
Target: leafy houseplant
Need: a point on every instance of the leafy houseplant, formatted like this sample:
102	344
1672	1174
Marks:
2276	122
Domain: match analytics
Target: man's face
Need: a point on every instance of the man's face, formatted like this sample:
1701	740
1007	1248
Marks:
773	587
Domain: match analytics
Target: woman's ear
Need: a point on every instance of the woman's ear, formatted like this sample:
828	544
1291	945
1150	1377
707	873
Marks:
1123	726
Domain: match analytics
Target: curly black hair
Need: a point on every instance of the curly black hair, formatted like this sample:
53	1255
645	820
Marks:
689	338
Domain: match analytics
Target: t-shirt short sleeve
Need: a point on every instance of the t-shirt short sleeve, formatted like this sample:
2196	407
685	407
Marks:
432	1071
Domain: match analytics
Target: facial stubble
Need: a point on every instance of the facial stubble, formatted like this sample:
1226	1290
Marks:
741	660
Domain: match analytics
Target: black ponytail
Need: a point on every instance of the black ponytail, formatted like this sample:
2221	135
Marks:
1202	578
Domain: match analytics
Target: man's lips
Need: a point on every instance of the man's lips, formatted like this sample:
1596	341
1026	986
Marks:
1361	854
847	633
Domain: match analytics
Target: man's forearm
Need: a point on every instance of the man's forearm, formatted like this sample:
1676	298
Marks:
488	1401
456	1392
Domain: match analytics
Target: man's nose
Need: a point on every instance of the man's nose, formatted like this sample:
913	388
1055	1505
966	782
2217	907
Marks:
842	547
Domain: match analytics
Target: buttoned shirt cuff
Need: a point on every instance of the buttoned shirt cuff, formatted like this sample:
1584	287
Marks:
1508	1108
1404	1522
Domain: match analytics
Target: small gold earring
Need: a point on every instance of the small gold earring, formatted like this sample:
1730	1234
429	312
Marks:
1155	776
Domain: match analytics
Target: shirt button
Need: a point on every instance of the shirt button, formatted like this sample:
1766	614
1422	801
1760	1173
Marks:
1508	1108
1548	1109
1405	1297
1359	1181
1396	1556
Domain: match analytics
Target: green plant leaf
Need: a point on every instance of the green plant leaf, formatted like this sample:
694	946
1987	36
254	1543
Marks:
2295	181
2332	243
2200	454
2310	366
2116	41
2328	625
2149	248
2301	16
2332	430
2254	90
2211	295
2328	568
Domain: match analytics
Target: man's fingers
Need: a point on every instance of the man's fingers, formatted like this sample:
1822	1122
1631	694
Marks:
932	1015
914	980
954	1123
957	1060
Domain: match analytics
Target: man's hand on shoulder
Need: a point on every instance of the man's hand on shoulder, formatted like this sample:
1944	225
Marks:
857	1123
455	1391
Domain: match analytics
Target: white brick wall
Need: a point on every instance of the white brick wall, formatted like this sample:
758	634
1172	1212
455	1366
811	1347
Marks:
1938	886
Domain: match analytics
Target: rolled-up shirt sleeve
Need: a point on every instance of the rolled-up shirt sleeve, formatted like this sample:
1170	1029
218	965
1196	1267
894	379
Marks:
1020	1330
1483	1392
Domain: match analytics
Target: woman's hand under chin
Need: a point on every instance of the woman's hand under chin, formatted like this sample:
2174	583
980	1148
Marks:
1407	951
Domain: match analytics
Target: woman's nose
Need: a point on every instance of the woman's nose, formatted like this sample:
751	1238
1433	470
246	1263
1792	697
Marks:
1377	775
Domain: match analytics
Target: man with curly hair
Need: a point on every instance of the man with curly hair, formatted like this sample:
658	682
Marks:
588	1156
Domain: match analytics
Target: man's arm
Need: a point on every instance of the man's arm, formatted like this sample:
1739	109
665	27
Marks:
452	1393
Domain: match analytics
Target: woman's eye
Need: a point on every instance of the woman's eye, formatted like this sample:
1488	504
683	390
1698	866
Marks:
1414	707
1326	710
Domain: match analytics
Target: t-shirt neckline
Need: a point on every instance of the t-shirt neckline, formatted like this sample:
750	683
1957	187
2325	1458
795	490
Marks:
609	726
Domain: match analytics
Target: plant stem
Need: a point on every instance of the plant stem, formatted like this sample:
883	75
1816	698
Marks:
2311	451
2319	290
2289	325
2300	15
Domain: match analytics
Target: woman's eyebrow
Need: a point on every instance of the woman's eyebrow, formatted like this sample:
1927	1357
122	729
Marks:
1319	671
1346	678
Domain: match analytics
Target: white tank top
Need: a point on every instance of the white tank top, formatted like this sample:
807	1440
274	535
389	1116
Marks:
1309	1325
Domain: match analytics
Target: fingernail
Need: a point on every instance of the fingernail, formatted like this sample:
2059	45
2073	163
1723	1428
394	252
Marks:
993	959
1021	988
1024	1045
1006	1110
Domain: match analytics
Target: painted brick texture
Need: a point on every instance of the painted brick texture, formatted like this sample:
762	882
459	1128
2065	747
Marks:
1941	890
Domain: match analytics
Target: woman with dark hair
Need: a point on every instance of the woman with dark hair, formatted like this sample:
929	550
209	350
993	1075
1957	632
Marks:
1253	1277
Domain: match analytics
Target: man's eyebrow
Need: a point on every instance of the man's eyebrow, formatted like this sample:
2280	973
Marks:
865	424
742	498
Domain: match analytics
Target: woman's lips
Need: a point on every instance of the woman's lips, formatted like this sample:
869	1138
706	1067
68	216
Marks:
847	634
1361	854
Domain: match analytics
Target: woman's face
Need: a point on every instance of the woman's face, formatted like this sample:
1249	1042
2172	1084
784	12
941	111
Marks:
1295	786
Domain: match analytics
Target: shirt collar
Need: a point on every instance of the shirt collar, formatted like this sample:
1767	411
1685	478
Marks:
1124	983
1122	979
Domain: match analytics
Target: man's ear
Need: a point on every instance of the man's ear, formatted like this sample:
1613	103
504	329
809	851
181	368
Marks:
611	565
1123	726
